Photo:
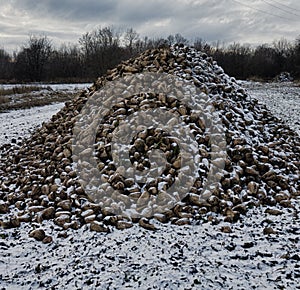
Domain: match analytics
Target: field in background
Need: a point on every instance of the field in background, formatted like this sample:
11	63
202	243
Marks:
281	98
20	96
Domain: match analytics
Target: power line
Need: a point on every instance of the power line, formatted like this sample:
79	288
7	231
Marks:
291	8
284	10
262	11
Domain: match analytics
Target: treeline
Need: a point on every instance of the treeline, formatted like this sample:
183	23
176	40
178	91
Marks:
263	62
104	48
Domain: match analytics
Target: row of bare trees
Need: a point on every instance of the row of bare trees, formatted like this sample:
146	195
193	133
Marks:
262	62
104	48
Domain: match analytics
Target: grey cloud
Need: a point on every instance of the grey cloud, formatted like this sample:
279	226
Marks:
212	20
74	10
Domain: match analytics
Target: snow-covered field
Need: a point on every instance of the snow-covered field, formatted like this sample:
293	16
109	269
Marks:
24	96
283	99
55	87
16	124
174	257
20	123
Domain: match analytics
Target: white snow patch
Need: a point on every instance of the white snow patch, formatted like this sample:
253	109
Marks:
21	123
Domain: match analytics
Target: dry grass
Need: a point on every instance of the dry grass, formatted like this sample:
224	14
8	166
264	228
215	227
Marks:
29	101
3	100
22	97
297	83
21	90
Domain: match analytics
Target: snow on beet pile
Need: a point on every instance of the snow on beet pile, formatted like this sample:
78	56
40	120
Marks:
38	180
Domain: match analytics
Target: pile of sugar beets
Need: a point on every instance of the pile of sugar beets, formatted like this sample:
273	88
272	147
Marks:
39	180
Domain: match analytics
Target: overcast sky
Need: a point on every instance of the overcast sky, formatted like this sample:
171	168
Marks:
64	21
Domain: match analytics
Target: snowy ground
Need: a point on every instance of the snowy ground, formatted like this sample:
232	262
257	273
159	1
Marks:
20	96
174	257
19	123
16	124
55	87
283	99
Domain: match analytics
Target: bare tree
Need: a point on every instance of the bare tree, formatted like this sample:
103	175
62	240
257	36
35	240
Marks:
180	39
65	63
282	47
177	38
131	37
283	50
171	39
33	57
296	58
202	45
5	65
98	39
101	49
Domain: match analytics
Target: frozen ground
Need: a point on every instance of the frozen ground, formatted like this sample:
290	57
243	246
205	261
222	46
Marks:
283	99
18	96
19	123
16	124
55	87
188	257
